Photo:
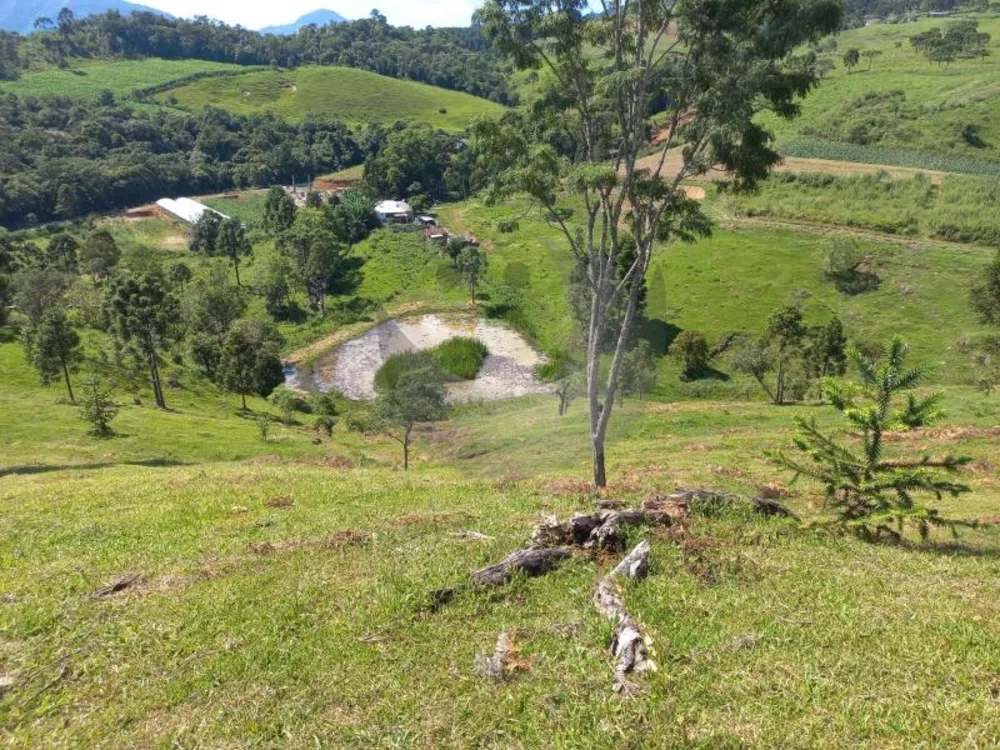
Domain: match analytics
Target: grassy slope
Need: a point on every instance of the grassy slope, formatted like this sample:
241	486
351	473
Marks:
355	96
257	625
88	79
967	91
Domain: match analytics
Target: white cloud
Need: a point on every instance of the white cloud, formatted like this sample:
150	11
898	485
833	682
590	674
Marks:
255	14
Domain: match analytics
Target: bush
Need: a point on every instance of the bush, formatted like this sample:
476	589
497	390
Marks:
691	348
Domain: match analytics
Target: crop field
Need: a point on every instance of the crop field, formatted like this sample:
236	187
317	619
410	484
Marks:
353	96
87	79
905	110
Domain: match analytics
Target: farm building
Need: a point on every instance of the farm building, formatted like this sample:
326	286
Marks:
394	212
185	209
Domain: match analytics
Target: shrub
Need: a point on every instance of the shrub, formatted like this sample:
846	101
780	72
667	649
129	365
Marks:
691	349
264	426
98	408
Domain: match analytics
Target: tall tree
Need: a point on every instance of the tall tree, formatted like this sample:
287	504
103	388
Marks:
232	242
141	309
279	211
728	60
472	263
250	362
99	254
53	348
205	234
315	252
353	217
209	307
61	253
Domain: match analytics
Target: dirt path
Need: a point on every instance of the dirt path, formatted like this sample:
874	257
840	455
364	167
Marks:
798	164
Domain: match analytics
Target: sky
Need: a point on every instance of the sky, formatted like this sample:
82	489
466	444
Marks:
255	14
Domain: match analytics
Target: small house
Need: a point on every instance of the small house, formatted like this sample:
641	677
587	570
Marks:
394	212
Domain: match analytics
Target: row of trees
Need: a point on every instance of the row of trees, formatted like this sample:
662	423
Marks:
458	59
961	39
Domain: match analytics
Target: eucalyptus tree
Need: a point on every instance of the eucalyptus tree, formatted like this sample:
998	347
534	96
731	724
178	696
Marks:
713	65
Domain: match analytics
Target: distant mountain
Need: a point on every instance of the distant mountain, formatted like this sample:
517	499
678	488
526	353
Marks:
318	17
20	15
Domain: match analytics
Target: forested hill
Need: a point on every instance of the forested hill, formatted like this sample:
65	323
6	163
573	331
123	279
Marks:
458	59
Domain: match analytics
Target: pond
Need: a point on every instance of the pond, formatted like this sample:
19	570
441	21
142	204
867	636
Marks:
507	372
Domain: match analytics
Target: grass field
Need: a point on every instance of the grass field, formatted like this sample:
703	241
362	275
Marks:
905	110
303	623
354	96
87	79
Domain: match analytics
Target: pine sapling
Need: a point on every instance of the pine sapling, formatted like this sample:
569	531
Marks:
872	495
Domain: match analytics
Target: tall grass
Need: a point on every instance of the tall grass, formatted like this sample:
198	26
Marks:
960	209
458	358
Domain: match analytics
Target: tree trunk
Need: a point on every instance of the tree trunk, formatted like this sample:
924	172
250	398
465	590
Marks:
236	265
154	375
69	387
406	448
243	396
600	475
600	414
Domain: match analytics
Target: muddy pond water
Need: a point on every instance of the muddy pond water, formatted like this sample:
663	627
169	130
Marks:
507	372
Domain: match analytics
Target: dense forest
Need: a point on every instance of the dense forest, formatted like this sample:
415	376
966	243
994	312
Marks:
458	59
60	159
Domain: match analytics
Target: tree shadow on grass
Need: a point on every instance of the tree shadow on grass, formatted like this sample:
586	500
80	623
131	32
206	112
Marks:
29	469
659	333
952	549
350	278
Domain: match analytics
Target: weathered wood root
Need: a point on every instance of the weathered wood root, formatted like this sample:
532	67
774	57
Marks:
628	645
494	667
531	562
605	529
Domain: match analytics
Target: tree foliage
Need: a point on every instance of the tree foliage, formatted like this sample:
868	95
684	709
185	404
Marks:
690	348
98	408
250	363
52	347
418	395
584	138
985	295
142	310
279	210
